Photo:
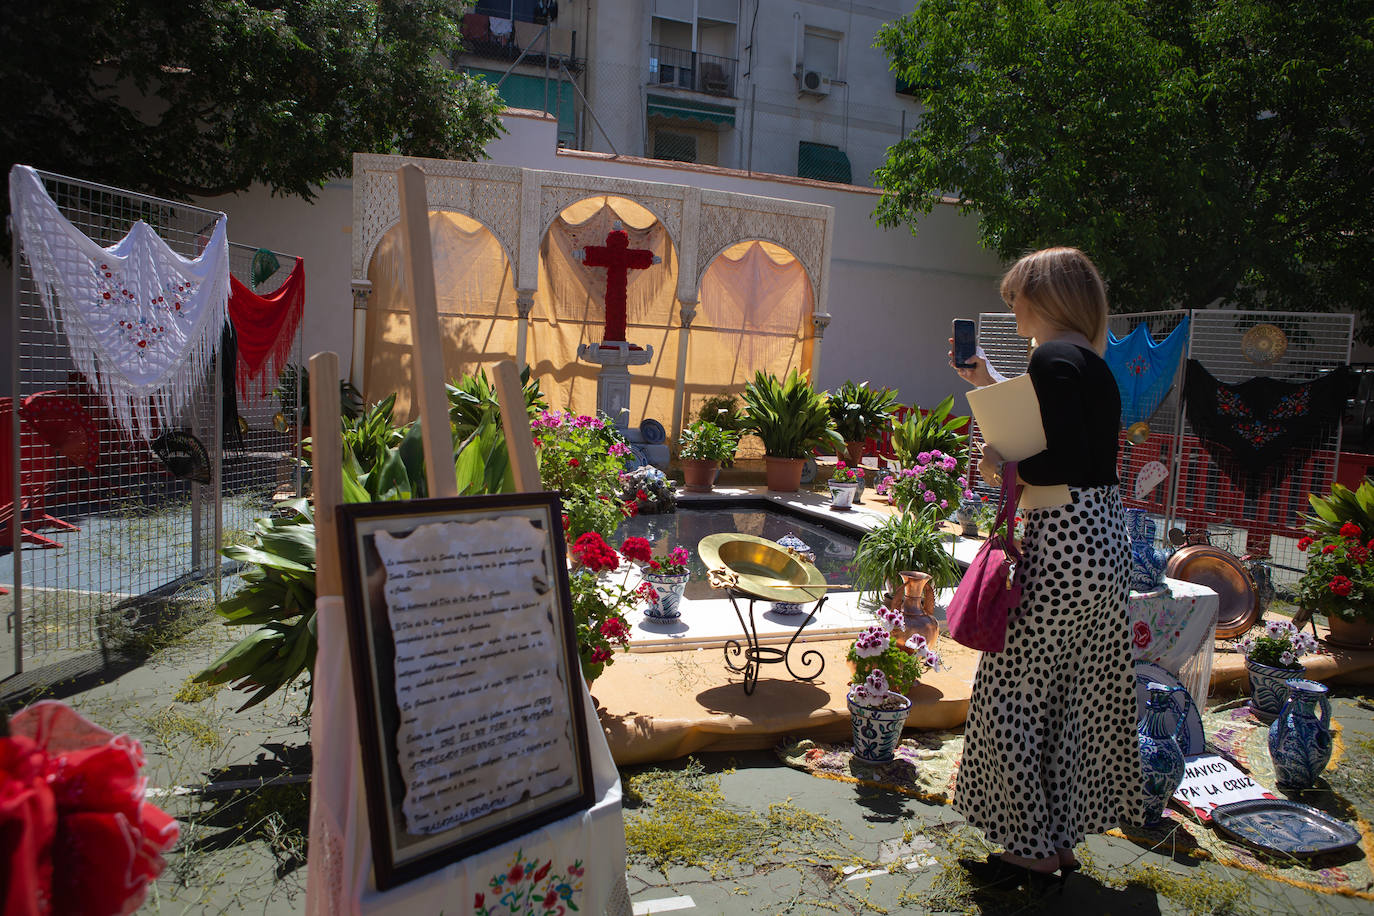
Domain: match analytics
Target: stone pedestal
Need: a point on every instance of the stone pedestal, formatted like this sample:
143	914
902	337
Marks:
613	393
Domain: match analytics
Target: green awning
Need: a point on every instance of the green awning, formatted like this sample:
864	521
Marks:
822	162
689	110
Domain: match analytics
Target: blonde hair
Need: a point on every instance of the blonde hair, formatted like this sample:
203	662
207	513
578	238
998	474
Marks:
1064	289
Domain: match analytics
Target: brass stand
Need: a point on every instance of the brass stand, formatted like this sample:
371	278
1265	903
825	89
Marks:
756	655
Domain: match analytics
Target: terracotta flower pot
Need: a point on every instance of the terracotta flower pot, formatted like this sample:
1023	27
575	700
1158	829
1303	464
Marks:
1355	633
856	453
699	475
784	474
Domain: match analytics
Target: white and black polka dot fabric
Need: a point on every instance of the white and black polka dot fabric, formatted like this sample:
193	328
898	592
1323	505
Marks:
1050	751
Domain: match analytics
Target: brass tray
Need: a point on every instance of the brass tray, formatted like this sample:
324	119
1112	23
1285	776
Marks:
1223	574
765	569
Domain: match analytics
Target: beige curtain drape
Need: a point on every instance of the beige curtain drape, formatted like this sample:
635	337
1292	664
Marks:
754	314
477	314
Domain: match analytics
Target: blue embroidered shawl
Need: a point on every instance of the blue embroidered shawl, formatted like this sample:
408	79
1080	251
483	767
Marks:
1144	369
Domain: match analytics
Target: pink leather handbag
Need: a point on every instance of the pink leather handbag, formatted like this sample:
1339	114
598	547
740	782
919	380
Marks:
991	586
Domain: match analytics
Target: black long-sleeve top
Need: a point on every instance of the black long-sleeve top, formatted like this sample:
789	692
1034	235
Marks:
1080	407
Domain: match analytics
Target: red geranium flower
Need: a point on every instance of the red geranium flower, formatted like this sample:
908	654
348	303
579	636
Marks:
1351	530
638	549
655	565
614	628
573	462
592	551
1305	543
600	654
641	495
1329	548
630	509
1340	585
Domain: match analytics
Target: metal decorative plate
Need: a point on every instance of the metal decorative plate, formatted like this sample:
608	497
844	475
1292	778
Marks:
1284	826
1223	574
1192	740
1264	344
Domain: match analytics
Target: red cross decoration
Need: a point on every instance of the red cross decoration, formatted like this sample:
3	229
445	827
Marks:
619	259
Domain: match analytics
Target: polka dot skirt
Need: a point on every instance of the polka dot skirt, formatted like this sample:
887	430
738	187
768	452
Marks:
1050	748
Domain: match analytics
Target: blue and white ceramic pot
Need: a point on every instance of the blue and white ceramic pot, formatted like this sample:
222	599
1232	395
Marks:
1147	560
1269	685
877	732
1299	739
668	589
842	493
967	516
1161	758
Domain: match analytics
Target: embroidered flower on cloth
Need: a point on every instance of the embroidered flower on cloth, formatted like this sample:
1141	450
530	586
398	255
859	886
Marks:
529	887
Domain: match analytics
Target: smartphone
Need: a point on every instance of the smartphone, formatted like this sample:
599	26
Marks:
965	342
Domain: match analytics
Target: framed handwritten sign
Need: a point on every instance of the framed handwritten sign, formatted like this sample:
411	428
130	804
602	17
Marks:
468	683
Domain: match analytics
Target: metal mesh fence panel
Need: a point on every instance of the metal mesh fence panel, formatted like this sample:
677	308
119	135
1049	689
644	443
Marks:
1198	494
94	550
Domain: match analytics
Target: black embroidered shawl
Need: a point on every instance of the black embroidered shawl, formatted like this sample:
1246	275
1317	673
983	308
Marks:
1254	428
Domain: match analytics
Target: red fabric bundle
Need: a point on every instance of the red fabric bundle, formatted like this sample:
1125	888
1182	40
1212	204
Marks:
266	328
76	836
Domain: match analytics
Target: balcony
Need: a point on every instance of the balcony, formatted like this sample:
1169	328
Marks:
504	40
692	70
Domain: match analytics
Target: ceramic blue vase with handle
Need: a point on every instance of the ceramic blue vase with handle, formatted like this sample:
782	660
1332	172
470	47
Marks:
1299	739
1147	560
1161	757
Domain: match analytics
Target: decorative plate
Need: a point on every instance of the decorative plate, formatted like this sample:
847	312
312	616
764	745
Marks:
1284	826
1192	740
652	431
1264	344
1222	573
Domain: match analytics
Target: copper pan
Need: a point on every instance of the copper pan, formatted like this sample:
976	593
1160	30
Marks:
1225	575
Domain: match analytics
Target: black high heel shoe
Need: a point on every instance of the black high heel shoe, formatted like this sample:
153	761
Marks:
995	872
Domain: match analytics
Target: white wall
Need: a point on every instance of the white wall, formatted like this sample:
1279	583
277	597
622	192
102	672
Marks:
892	295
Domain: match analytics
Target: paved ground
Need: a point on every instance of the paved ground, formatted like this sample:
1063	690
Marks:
737	833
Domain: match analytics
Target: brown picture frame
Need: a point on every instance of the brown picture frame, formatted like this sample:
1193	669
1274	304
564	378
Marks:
399	856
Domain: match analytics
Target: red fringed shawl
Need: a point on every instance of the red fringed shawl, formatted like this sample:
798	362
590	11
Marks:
266	328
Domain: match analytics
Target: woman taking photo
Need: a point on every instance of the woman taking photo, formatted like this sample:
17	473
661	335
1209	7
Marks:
1050	750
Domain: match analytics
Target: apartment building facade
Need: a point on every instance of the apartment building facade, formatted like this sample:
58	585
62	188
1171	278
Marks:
786	87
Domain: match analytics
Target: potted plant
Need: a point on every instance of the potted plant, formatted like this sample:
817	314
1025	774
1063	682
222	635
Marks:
582	457
792	419
599	605
931	430
1339	582
722	410
702	448
844	483
930	486
911	541
860	412
884	672
1272	659
665	574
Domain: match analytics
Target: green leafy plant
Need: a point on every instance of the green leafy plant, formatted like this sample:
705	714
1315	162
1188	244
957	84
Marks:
474	397
582	458
722	410
705	441
790	416
860	412
934	430
903	542
1339	580
882	665
1343	505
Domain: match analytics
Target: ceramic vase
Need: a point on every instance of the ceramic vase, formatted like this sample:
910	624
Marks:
918	607
842	494
967	517
1299	739
1269	685
668	589
1161	758
877	732
1147	560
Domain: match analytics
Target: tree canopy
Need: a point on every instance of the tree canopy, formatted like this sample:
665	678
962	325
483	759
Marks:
1201	151
183	98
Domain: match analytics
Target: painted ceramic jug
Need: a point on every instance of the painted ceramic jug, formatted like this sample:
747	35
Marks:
1161	757
967	517
1147	560
1300	740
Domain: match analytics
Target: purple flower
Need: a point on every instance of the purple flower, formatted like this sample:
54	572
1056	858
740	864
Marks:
944	504
968	494
928	496
923	457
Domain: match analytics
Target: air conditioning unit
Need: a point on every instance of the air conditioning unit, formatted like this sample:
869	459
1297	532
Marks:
814	82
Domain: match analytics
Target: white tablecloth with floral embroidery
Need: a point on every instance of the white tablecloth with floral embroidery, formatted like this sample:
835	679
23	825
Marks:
573	865
1175	627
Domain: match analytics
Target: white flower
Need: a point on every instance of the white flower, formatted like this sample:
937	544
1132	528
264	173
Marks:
877	684
891	619
1287	659
872	642
916	643
934	661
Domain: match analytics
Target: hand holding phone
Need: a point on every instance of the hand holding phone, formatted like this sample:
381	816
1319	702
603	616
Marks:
965	343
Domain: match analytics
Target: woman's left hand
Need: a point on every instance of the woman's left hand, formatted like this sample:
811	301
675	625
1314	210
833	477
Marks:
990	465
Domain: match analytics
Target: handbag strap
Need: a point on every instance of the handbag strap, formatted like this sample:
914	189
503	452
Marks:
1006	510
